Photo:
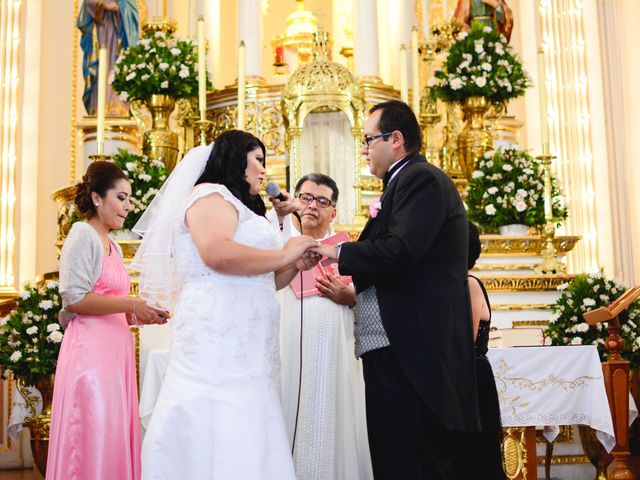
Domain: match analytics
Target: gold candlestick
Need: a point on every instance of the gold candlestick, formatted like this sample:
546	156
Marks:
100	157
550	263
203	129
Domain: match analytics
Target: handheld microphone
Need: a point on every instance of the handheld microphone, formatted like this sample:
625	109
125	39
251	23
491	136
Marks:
273	190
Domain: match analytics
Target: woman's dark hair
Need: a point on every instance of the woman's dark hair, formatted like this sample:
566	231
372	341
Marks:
474	244
227	164
100	178
397	115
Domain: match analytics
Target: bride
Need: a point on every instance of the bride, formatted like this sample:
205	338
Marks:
209	254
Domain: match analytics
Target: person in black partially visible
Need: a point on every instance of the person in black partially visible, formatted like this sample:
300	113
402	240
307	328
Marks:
480	452
413	317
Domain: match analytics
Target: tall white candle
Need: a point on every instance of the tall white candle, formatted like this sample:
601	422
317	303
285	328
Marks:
445	9
415	73
202	71
542	86
404	87
241	85
102	97
426	28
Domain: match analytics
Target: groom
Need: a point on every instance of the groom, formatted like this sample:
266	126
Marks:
413	317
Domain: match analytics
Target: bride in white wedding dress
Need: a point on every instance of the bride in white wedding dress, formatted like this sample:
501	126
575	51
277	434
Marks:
209	252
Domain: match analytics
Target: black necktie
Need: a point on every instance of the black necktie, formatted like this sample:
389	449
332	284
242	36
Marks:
392	170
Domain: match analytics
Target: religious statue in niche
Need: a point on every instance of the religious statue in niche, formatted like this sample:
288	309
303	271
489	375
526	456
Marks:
114	24
493	13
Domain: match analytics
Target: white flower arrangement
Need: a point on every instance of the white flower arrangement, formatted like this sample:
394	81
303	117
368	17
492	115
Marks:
507	187
158	64
146	176
30	335
480	63
587	292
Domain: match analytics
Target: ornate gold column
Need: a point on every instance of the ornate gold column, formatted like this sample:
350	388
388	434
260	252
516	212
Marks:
9	112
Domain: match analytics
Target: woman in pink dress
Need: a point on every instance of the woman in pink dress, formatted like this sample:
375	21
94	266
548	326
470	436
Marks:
95	427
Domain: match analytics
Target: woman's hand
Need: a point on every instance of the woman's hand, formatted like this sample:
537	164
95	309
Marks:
295	247
286	207
338	291
147	314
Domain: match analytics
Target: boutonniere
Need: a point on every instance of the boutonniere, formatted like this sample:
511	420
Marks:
374	207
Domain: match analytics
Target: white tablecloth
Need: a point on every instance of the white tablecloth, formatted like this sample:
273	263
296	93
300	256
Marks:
551	386
157	363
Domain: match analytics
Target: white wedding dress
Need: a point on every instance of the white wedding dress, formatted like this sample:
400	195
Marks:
218	415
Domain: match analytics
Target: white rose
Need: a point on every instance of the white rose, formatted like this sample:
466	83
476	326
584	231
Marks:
456	84
184	73
144	177
507	168
554	317
480	81
163	66
562	286
124	96
521	206
25	295
588	302
479	45
165	84
487	30
175	51
15	356
477	174
492	190
500	51
46	304
55	336
576	341
32	330
52	327
144	77
490	209
462	36
582	327
131	76
486	67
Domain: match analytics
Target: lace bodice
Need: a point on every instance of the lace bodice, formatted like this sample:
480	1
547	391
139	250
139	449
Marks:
252	230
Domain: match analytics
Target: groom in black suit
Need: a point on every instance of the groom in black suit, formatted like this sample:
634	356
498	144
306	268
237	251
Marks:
413	315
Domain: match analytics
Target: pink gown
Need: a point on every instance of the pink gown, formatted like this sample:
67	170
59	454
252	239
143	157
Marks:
95	427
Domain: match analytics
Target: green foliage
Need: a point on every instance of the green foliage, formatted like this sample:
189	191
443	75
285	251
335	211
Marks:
480	63
146	176
588	292
158	64
507	187
30	335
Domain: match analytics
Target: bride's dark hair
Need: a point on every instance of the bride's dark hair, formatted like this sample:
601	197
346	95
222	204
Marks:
227	163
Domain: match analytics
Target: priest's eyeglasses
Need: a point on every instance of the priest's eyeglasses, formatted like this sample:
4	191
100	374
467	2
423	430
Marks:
307	198
366	142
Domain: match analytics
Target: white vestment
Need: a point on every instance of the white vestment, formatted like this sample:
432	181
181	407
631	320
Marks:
331	436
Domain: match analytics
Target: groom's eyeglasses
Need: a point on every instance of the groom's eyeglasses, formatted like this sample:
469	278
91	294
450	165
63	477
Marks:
366	141
307	198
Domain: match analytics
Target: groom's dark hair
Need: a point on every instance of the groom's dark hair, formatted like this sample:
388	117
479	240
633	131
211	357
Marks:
397	115
227	164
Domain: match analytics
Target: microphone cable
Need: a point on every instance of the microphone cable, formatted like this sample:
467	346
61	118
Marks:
295	425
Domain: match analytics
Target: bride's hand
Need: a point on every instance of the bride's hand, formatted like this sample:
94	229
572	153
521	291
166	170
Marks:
145	313
296	247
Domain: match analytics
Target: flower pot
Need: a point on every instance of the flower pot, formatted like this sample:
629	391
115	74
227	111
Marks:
160	143
39	425
514	230
594	450
474	139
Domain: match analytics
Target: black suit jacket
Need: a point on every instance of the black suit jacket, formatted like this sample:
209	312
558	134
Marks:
415	253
